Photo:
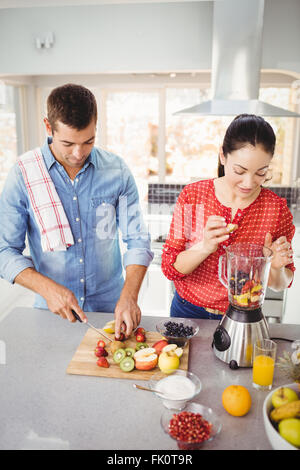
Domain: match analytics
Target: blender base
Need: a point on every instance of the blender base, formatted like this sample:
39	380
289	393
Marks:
236	334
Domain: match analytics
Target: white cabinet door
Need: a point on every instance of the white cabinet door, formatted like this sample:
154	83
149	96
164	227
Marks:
156	293
292	305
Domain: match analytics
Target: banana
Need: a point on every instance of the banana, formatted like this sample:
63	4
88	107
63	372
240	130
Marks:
290	410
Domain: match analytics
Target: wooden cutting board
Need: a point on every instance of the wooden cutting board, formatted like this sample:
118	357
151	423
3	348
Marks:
84	361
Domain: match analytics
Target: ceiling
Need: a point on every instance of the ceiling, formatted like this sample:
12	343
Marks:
51	3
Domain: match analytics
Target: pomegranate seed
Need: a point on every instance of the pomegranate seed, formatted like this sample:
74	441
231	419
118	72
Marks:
189	427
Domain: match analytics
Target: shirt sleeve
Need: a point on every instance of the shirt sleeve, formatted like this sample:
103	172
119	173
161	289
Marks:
131	223
286	228
176	240
13	227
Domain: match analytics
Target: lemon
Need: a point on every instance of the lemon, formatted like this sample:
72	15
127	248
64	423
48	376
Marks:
109	327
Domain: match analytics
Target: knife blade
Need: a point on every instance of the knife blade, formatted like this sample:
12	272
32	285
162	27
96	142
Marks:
91	326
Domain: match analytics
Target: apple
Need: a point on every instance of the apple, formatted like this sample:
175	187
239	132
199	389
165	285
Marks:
145	359
289	429
168	361
282	396
159	345
170	348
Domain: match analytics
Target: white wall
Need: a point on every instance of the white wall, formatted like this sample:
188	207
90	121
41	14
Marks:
134	37
104	38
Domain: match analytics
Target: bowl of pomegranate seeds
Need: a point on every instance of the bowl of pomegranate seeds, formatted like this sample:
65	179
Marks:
192	427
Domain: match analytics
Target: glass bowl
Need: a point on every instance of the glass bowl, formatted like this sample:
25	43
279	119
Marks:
207	413
179	340
175	382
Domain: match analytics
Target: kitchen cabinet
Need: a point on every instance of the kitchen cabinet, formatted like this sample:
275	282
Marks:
156	293
291	307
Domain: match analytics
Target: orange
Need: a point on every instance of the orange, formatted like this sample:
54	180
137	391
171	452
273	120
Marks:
236	400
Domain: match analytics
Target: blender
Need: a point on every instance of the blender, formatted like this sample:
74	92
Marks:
244	271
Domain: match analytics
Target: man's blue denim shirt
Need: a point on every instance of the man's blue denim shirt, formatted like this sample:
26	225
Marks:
102	199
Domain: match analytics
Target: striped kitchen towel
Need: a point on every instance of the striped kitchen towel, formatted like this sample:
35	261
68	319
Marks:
48	210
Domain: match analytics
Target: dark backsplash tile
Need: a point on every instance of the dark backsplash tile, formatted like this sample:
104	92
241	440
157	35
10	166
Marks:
168	193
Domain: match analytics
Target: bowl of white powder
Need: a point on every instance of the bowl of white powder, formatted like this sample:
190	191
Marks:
175	389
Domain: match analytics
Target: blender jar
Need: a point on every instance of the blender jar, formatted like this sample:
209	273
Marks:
244	271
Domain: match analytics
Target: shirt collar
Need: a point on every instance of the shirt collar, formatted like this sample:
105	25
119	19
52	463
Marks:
50	159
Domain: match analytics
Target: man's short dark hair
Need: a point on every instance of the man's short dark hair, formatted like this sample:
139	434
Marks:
73	105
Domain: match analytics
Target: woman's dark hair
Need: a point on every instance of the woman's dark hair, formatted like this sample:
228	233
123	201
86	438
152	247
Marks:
73	105
247	129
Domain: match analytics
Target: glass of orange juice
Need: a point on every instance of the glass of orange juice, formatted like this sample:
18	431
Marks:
264	355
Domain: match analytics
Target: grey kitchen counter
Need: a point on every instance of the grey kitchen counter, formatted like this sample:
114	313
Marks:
42	407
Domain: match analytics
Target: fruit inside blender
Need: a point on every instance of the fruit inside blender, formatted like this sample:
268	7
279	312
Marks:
246	292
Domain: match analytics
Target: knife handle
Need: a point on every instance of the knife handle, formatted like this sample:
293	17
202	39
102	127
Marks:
76	316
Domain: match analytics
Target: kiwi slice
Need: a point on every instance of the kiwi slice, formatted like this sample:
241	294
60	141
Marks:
127	364
141	346
119	355
129	352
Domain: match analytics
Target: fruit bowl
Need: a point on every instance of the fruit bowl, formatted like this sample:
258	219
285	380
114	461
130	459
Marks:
172	384
179	331
277	442
207	414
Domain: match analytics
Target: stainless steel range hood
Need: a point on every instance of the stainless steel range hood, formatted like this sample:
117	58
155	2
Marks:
236	62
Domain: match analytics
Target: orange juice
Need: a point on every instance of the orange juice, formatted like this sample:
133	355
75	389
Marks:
263	370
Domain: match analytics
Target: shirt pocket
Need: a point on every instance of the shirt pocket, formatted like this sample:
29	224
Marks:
103	211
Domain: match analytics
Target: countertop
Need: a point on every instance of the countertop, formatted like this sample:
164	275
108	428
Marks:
42	407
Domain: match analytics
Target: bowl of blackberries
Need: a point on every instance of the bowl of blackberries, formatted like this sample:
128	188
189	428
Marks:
178	330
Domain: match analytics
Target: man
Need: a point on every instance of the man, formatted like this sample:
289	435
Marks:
98	195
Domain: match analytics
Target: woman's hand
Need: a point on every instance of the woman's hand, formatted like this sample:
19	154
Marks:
282	251
215	232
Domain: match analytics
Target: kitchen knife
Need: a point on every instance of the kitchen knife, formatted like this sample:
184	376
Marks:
91	326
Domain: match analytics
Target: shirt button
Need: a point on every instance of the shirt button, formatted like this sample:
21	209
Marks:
79	240
77	219
76	180
81	280
81	298
81	260
74	198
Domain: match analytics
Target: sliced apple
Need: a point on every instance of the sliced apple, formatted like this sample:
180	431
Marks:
170	348
159	345
179	352
145	359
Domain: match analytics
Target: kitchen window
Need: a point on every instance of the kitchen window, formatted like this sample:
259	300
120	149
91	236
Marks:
137	122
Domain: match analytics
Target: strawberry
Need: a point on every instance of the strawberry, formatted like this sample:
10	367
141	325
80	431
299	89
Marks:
140	330
101	344
102	362
121	337
100	352
140	338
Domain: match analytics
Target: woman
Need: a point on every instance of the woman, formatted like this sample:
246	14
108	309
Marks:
199	230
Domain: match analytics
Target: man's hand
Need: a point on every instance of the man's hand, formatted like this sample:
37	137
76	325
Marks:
60	300
127	311
127	315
